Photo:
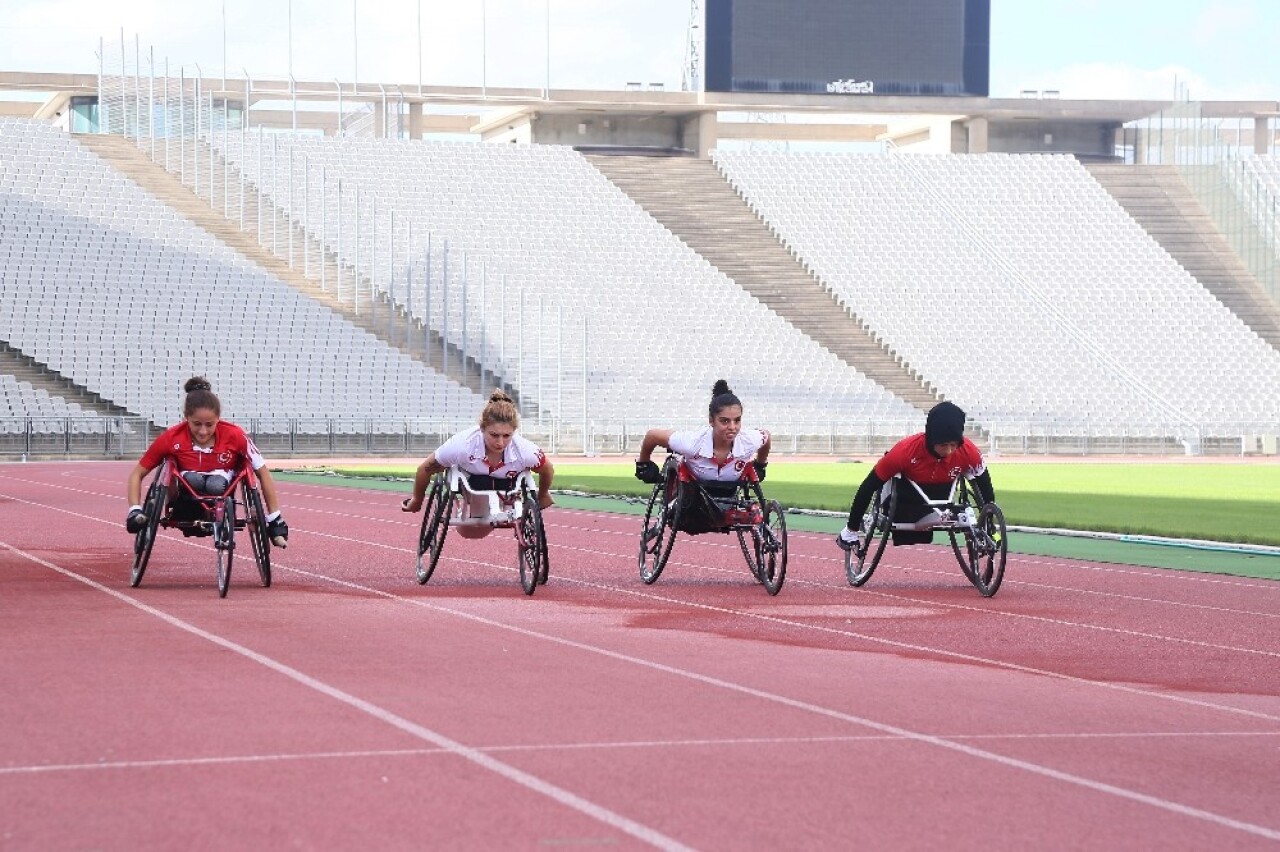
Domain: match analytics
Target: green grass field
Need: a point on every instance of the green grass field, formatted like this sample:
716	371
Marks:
1215	502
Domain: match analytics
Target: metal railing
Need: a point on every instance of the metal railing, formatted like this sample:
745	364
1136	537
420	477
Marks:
1212	158
129	437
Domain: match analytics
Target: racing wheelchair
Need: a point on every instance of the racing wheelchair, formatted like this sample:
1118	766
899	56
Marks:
455	498
976	532
680	502
239	507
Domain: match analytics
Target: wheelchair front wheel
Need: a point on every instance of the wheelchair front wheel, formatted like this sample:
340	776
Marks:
256	526
153	508
860	563
658	533
771	547
224	542
435	526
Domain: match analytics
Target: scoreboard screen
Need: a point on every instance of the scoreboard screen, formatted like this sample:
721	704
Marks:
871	47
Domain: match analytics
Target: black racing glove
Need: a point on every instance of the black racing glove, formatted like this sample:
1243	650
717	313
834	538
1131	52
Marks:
136	522
760	466
278	532
647	471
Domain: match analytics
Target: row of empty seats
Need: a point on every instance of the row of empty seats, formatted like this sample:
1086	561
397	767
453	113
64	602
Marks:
48	413
104	284
1016	284
533	256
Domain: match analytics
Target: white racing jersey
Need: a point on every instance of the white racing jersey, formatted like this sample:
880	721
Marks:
466	450
694	446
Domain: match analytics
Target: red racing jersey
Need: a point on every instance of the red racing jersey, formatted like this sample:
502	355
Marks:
911	458
231	448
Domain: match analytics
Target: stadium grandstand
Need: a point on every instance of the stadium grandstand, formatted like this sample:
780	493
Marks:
351	286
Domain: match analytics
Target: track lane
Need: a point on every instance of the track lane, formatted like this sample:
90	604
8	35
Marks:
479	585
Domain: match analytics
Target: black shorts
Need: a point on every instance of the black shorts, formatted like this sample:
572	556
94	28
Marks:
911	508
703	505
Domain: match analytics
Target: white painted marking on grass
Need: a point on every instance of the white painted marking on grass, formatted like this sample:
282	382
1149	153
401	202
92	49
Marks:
511	773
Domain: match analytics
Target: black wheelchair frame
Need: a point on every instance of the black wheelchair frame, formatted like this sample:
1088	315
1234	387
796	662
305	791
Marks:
763	543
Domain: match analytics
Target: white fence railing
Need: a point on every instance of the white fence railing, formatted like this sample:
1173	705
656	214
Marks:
128	437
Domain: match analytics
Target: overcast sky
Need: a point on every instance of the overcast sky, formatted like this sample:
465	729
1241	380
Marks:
1218	49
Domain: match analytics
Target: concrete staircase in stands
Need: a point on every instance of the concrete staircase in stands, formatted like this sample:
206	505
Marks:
693	200
1159	199
218	210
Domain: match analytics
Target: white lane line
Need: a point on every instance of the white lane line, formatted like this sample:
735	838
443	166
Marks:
544	748
796	704
479	758
987	610
759	616
943	552
608	817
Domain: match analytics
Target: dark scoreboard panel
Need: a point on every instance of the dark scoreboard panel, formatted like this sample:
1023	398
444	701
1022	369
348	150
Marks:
881	47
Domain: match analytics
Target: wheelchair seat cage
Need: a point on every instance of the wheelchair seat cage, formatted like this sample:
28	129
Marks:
223	515
724	506
453	501
504	506
976	532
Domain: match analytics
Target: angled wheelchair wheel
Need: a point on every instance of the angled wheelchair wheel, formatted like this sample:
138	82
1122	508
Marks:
224	541
658	533
749	541
153	508
771	547
531	538
256	526
876	528
435	526
545	572
986	547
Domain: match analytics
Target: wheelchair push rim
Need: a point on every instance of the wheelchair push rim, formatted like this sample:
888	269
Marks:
531	538
256	525
224	541
435	527
981	550
770	540
874	532
658	532
987	548
145	538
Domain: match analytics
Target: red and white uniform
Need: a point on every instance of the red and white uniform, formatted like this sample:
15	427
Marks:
466	450
695	447
231	448
911	458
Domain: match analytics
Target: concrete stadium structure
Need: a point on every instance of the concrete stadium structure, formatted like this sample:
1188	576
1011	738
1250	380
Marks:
262	210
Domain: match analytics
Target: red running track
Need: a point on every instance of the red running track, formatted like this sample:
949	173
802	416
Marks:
1085	705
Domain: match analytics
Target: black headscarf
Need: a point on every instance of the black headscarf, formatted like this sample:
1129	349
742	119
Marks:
945	423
